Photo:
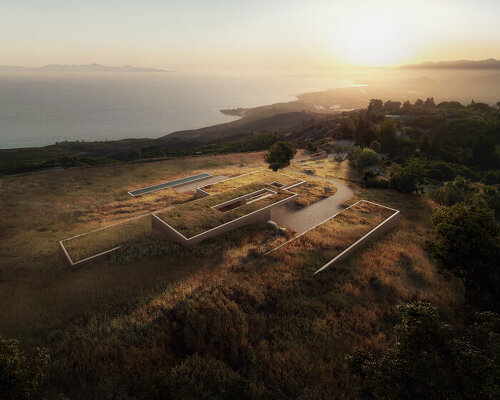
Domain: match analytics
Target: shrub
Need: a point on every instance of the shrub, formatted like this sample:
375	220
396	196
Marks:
406	179
211	323
377	183
491	177
428	360
201	377
452	192
365	158
466	244
20	375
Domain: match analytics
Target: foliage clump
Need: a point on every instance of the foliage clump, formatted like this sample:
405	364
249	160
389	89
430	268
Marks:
279	155
212	324
20	375
431	360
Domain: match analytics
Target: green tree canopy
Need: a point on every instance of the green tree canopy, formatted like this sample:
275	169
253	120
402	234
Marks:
365	158
406	179
429	360
466	244
279	155
388	138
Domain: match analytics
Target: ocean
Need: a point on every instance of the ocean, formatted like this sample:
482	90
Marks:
38	109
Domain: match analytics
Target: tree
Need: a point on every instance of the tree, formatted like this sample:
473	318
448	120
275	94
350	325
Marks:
20	375
279	155
388	138
407	106
365	158
406	179
392	106
429	103
466	244
376	106
419	103
429	360
452	192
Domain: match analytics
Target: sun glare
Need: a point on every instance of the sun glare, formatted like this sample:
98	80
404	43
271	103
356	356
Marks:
373	40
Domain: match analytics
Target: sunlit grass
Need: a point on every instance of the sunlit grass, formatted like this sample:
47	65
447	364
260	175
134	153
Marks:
107	238
198	216
326	241
263	176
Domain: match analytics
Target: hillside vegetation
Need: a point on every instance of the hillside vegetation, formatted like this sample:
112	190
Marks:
411	315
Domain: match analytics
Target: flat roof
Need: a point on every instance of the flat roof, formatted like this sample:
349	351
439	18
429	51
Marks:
195	217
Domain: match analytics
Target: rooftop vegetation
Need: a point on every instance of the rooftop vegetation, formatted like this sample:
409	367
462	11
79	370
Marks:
198	216
262	177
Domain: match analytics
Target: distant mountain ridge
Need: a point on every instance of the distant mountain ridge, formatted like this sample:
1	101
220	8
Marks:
79	68
490	63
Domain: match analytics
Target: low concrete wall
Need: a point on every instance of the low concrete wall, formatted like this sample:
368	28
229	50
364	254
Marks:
200	193
388	224
262	215
68	260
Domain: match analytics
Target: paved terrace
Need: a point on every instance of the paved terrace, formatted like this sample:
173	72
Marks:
300	220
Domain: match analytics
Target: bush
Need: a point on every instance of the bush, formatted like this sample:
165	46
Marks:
20	376
452	192
466	244
377	183
428	360
491	177
211	323
206	378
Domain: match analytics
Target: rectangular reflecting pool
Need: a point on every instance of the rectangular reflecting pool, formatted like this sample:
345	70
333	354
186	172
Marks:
169	184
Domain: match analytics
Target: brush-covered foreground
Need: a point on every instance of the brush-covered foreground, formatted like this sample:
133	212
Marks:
158	320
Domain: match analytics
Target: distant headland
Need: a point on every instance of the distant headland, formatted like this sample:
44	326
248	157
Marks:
79	68
490	63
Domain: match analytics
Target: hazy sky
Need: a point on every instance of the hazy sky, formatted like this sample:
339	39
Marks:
287	35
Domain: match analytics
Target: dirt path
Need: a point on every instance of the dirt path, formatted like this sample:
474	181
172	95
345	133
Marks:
303	219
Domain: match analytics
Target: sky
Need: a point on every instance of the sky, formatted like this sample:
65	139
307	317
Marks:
284	35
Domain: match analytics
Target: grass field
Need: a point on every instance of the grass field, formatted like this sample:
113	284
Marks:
330	169
262	177
108	326
95	242
335	235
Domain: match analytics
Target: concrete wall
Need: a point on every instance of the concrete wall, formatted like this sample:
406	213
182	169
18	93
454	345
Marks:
262	215
388	224
200	193
158	224
68	260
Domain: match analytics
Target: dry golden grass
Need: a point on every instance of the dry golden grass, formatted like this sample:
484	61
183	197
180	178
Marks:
198	216
107	238
113	317
332	237
330	169
314	190
263	177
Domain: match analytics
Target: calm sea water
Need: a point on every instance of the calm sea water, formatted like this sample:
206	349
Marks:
38	109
